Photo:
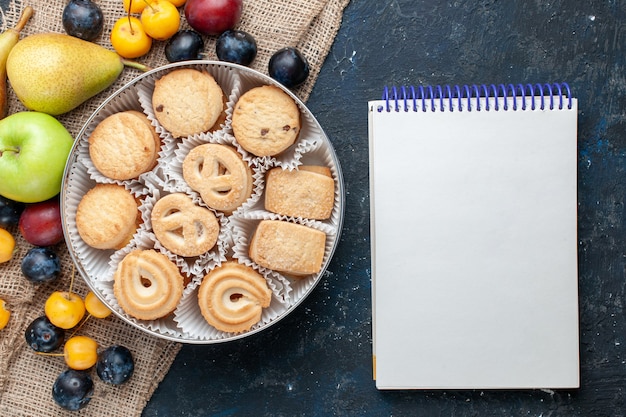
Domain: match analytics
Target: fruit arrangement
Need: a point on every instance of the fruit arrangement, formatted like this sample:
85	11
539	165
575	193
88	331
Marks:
66	311
32	160
159	20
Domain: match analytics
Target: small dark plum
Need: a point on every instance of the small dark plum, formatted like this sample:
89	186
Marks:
43	336
236	46
41	264
185	45
83	19
289	67
10	212
72	389
115	365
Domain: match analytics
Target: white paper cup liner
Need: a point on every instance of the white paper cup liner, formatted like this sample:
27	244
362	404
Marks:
189	317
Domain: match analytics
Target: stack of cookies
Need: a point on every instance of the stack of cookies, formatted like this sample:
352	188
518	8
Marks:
212	196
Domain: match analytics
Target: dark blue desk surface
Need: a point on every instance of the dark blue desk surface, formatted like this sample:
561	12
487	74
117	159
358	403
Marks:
317	361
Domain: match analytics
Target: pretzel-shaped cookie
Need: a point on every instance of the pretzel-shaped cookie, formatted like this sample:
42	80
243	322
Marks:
183	227
219	174
147	284
232	297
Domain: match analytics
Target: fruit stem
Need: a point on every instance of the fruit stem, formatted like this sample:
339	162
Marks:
49	354
27	13
136	65
130	22
79	326
14	149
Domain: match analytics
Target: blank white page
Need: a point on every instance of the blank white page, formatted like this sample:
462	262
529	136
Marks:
474	248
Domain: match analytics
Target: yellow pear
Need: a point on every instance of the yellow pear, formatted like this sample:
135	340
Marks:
8	39
54	73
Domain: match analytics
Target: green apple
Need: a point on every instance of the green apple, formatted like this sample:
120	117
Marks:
33	151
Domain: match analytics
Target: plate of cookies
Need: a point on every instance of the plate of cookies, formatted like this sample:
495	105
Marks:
202	202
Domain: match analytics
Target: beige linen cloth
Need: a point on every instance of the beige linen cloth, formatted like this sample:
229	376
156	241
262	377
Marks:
26	378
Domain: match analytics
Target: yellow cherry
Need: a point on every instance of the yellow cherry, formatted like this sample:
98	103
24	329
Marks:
135	7
95	307
129	39
64	309
7	245
160	19
80	352
178	3
5	314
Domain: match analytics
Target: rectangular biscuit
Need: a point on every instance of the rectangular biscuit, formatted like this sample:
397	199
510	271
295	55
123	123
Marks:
288	247
308	192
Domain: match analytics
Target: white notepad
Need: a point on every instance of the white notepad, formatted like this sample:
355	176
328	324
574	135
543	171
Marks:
474	239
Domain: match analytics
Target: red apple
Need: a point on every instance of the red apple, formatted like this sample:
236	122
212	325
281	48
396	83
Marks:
40	223
212	17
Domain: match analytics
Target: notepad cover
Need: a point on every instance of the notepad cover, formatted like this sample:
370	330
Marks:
474	247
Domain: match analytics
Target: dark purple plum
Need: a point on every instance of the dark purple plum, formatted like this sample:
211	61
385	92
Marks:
115	365
10	212
41	264
236	46
43	336
289	67
83	19
72	389
185	45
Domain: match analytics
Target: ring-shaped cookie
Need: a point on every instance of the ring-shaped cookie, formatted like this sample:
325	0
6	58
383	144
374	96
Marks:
232	297
182	227
147	284
219	174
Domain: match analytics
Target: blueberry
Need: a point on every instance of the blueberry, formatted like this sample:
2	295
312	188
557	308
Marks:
185	45
41	264
289	67
115	365
72	389
43	336
236	46
10	212
83	19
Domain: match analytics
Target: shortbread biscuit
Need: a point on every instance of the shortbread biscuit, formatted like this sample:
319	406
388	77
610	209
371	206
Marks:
266	121
124	145
306	192
187	102
219	174
287	247
183	227
107	216
147	285
232	297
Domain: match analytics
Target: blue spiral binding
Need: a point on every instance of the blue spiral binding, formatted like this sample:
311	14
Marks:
468	97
